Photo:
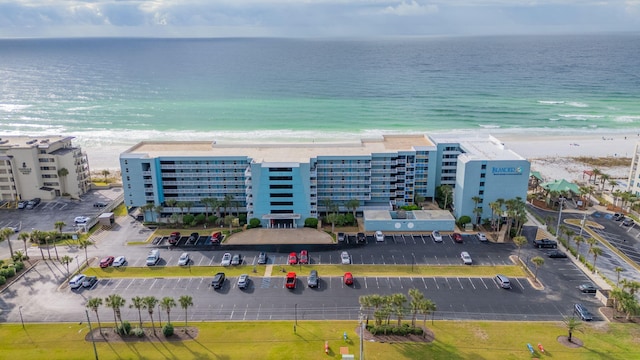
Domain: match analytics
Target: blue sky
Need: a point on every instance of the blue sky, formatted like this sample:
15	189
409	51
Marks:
312	18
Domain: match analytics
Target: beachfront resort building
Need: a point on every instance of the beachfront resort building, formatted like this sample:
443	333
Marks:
42	167
633	184
283	184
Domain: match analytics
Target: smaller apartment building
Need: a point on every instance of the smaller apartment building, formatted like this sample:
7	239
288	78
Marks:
283	184
32	167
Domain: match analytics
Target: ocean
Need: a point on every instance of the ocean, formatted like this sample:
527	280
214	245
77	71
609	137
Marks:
114	92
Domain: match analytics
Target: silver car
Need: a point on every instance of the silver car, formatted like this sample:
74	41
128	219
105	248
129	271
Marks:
184	259
345	258
243	281
226	259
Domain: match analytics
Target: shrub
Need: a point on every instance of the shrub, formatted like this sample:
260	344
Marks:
199	219
417	331
19	265
124	328
463	220
3	280
139	332
8	272
311	223
188	219
167	330
242	218
254	223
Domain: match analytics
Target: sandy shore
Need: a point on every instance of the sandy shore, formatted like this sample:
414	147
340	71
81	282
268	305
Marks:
551	155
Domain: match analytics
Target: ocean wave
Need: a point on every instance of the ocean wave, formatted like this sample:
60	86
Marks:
580	116
13	107
627	118
83	108
489	126
577	104
550	102
554	119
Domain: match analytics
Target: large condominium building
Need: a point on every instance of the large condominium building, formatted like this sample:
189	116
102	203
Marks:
283	184
44	167
633	185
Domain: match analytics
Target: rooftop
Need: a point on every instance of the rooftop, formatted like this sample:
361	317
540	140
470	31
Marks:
25	142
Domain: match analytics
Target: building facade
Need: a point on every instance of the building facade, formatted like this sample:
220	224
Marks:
283	184
633	183
41	167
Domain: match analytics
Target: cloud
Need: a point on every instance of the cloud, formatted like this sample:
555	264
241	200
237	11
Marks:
411	8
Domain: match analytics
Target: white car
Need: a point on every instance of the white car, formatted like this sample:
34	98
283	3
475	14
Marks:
81	219
482	237
466	258
184	259
243	281
437	237
119	261
379	236
226	259
346	259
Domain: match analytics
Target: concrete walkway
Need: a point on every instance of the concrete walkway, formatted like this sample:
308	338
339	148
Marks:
263	236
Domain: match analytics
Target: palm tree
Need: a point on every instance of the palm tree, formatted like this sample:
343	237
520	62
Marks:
158	210
185	302
332	218
353	205
591	242
398	301
105	173
36	237
365	303
137	303
426	307
24	237
5	234
579	240
569	233
327	203
618	270
94	304
167	303
572	324
537	261
66	260
446	190
115	302
519	241
603	179
613	183
417	298
596	251
228	199
476	211
59	225
46	241
208	203
62	174
150	303
84	244
596	172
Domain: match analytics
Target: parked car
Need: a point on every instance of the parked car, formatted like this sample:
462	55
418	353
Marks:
119	261
361	237
100	204
226	259
153	257
216	237
437	237
618	217
81	219
312	281
291	280
482	237
32	203
582	312
193	238
502	281
556	254
466	258
304	257
345	258
293	258
627	222
76	281
379	236
340	236
236	259
184	259
348	278
174	238
457	237
106	262
89	281
545	243
22	204
587	288
243	281
262	258
218	280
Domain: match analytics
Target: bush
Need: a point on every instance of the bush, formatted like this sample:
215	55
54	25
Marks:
3	280
199	219
167	330
463	220
254	223
188	219
311	223
139	332
242	218
19	265
124	328
8	272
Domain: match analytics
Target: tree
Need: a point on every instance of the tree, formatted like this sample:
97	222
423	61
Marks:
35	237
66	260
185	302
62	174
115	302
591	242
397	302
519	241
226	203
208	203
596	251
417	298
328	204
46	240
94	304
24	237
105	173
150	303
138	303
332	218
167	303
579	240
572	324
365	303
603	179
596	172
353	205
84	244
618	270
426	307
537	261
569	233
446	191
5	234
59	225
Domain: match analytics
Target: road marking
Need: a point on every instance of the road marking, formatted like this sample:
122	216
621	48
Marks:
436	282
394	260
522	286
425	283
319	259
423	241
473	286
211	262
153	283
361	259
383	263
365	283
400	279
377	283
232	311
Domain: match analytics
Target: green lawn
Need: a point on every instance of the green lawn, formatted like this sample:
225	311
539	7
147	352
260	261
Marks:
302	270
276	340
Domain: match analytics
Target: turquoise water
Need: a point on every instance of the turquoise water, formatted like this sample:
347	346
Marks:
120	91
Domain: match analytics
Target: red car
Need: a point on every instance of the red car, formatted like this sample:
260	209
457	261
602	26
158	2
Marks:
456	237
304	257
216	236
293	258
106	262
348	278
174	238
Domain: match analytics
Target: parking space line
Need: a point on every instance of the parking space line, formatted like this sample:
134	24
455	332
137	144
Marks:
361	259
211	262
365	283
319	259
400	279
394	259
460	283
473	286
436	282
131	282
448	284
383	263
377	283
153	283
425	283
519	283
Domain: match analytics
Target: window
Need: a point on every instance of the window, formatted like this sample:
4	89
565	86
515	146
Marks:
282	203
276	178
280	186
277	195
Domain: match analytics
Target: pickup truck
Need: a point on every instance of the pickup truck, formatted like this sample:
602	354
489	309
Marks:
291	280
545	243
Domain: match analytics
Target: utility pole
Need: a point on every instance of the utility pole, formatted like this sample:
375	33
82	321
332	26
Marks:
584	221
559	217
95	351
361	334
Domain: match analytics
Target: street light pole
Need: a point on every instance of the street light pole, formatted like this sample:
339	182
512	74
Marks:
77	263
21	319
95	351
584	221
361	334
559	217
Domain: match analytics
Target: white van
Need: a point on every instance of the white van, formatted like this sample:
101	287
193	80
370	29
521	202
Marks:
76	281
153	257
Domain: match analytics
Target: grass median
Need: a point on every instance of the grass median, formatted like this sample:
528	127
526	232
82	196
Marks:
323	270
276	340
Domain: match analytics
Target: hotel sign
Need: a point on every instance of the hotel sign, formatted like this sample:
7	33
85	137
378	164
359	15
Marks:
509	170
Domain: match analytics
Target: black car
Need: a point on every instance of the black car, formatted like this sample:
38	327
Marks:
312	281
545	243
618	217
262	258
218	280
587	288
193	238
100	204
556	254
361	237
89	281
627	222
582	312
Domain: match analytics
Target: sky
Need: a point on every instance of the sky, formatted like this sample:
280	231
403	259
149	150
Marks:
312	18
